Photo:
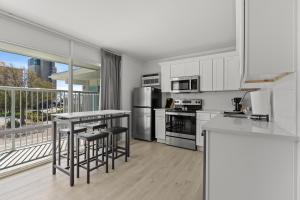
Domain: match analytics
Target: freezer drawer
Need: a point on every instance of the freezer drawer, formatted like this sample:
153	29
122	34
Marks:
141	124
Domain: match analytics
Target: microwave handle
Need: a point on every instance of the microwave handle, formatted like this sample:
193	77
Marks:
190	85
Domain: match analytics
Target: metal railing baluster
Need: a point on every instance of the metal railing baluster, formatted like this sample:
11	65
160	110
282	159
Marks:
37	107
5	109
26	106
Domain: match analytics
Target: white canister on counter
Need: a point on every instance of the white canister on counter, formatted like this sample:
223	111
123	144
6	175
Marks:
261	102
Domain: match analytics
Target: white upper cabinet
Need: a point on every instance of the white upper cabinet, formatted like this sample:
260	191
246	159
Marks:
270	37
165	77
206	75
218	74
232	73
185	69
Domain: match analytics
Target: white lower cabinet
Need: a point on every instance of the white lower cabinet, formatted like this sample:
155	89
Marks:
160	125
201	119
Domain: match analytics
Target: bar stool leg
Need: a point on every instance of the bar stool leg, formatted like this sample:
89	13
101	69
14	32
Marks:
59	147
106	154
126	145
85	150
116	142
103	144
68	151
93	153
88	163
97	148
77	155
112	152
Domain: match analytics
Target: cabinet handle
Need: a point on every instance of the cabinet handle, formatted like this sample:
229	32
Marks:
203	132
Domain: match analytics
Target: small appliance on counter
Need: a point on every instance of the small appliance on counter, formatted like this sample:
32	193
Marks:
260	105
181	123
169	103
236	102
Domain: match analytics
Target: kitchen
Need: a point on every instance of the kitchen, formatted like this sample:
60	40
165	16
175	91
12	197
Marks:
209	107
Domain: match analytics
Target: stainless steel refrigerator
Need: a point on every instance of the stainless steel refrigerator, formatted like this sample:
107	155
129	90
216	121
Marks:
145	99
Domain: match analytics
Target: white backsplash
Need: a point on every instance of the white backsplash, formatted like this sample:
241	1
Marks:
211	100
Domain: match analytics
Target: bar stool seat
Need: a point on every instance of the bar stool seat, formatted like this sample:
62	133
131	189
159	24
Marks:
92	136
88	138
96	126
115	130
76	130
115	150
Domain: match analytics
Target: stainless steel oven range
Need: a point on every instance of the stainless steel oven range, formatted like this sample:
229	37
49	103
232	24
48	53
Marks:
181	123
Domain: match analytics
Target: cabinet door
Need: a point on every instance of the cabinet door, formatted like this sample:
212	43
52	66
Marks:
165	78
185	69
270	40
160	126
206	75
218	74
232	73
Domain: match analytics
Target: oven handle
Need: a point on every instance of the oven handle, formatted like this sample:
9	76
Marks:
181	114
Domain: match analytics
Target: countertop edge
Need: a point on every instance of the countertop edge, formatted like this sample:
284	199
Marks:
287	136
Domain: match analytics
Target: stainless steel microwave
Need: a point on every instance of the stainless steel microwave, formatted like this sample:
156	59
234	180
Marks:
185	84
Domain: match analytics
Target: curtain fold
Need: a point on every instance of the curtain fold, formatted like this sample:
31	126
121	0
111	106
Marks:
110	80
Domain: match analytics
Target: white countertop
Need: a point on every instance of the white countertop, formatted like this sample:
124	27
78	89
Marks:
76	115
160	108
242	126
210	111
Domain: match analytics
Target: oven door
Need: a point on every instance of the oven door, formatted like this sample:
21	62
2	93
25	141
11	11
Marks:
181	129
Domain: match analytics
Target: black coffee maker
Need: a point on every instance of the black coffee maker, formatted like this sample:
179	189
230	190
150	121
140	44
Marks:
236	102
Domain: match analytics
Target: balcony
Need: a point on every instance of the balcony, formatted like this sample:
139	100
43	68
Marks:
25	122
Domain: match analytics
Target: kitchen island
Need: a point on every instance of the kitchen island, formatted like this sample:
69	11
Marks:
247	159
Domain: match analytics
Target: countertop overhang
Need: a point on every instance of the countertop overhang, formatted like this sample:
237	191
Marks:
241	126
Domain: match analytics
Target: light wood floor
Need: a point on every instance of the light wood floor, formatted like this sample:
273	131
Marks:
154	172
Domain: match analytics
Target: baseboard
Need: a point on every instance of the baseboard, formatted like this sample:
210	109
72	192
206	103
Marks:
200	148
161	141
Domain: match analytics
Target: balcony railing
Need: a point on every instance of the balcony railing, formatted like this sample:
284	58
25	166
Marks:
25	118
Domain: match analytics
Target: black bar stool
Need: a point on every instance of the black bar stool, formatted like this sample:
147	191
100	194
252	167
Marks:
115	150
88	138
96	126
67	132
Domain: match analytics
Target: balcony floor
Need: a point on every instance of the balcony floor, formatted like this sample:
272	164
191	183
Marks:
26	155
154	171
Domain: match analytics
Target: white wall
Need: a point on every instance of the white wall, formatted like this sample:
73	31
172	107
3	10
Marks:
284	103
131	71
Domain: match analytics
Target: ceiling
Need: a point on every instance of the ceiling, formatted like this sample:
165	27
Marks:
146	29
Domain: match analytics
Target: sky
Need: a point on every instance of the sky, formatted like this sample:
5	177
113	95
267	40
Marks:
20	61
